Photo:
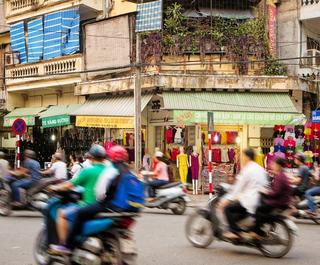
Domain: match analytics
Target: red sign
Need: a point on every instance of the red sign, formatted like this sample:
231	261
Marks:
272	26
19	126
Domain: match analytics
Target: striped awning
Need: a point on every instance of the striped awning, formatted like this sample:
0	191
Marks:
35	40
17	40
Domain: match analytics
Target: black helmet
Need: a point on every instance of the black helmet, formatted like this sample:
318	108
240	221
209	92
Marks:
30	154
2	155
97	152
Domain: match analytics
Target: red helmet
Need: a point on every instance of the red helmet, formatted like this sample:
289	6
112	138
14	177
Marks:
117	154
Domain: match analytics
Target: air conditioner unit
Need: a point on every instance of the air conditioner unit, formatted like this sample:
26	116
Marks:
11	58
311	58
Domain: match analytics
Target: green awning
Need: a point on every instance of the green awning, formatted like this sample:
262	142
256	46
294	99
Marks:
232	107
27	114
56	116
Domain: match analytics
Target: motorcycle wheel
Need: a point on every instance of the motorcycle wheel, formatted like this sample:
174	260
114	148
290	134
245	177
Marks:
5	201
40	250
273	236
113	252
180	208
199	231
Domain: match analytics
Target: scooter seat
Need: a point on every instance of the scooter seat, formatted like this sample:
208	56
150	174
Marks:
170	185
95	226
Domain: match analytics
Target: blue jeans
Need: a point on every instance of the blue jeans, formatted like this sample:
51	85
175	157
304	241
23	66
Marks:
154	184
309	195
15	186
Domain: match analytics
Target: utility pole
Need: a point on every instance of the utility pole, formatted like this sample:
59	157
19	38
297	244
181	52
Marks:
137	104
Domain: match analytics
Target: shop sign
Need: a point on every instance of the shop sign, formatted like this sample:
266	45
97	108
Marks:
55	121
220	117
316	116
105	122
29	120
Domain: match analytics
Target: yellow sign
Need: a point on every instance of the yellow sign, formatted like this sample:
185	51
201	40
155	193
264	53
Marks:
105	122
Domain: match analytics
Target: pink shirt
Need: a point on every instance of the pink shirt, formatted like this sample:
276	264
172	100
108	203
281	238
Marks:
161	171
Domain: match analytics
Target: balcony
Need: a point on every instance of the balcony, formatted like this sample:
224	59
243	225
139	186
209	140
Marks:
310	10
38	75
17	10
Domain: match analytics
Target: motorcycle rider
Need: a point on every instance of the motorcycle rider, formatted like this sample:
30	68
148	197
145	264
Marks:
86	179
4	165
117	164
302	180
58	168
313	192
28	175
244	197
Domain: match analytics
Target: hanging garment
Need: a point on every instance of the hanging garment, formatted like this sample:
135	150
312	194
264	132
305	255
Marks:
195	166
270	158
224	155
279	155
231	154
289	144
278	141
169	136
223	138
231	137
183	167
174	154
216	138
260	159
216	155
178	136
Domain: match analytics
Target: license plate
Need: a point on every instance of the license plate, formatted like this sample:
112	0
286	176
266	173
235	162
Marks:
128	246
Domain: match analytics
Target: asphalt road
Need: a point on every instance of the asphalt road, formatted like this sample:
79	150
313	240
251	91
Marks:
161	241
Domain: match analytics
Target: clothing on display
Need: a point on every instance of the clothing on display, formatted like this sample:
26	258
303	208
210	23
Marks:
195	166
224	155
216	155
260	159
183	167
178	135
270	158
169	135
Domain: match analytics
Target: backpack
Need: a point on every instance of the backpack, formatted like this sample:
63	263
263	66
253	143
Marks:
126	193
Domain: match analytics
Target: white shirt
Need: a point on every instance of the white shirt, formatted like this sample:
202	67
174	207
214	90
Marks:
76	169
4	168
246	189
86	163
104	181
59	170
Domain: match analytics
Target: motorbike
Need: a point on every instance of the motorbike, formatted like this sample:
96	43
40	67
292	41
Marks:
34	199
302	206
170	196
104	240
203	226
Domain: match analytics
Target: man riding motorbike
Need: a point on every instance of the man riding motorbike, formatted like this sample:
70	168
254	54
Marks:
244	197
302	180
86	179
58	169
105	189
25	177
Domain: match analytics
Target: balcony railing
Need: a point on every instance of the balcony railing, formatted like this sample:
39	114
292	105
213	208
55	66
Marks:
312	59
309	2
20	4
40	71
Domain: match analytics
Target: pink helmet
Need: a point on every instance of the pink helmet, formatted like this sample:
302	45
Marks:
117	154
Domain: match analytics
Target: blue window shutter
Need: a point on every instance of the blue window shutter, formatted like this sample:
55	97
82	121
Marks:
35	40
71	31
18	40
52	35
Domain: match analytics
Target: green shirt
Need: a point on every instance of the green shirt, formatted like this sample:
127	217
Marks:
87	179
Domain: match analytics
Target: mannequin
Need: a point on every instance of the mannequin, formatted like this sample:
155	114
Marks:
194	162
269	158
182	165
259	157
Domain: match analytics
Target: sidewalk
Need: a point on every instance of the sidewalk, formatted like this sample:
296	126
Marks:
198	200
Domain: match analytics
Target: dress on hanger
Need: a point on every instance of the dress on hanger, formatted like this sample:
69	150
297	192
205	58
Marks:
183	167
195	166
169	135
224	155
178	136
260	159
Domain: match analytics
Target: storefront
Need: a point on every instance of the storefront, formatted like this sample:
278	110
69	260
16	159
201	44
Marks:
236	117
114	116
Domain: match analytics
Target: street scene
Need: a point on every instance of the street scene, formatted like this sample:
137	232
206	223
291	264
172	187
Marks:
159	132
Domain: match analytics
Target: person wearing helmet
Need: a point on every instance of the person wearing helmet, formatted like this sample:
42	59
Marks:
27	175
302	180
58	169
161	176
116	164
87	179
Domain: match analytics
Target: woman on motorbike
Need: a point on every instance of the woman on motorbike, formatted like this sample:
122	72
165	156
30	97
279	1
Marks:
277	197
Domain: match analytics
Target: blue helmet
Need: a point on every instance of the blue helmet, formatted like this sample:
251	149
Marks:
97	152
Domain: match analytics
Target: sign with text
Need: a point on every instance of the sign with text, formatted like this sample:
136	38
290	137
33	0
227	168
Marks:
55	121
105	122
316	116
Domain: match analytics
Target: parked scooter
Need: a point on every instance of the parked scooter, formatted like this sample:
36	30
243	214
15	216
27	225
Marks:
204	225
106	239
171	196
35	198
